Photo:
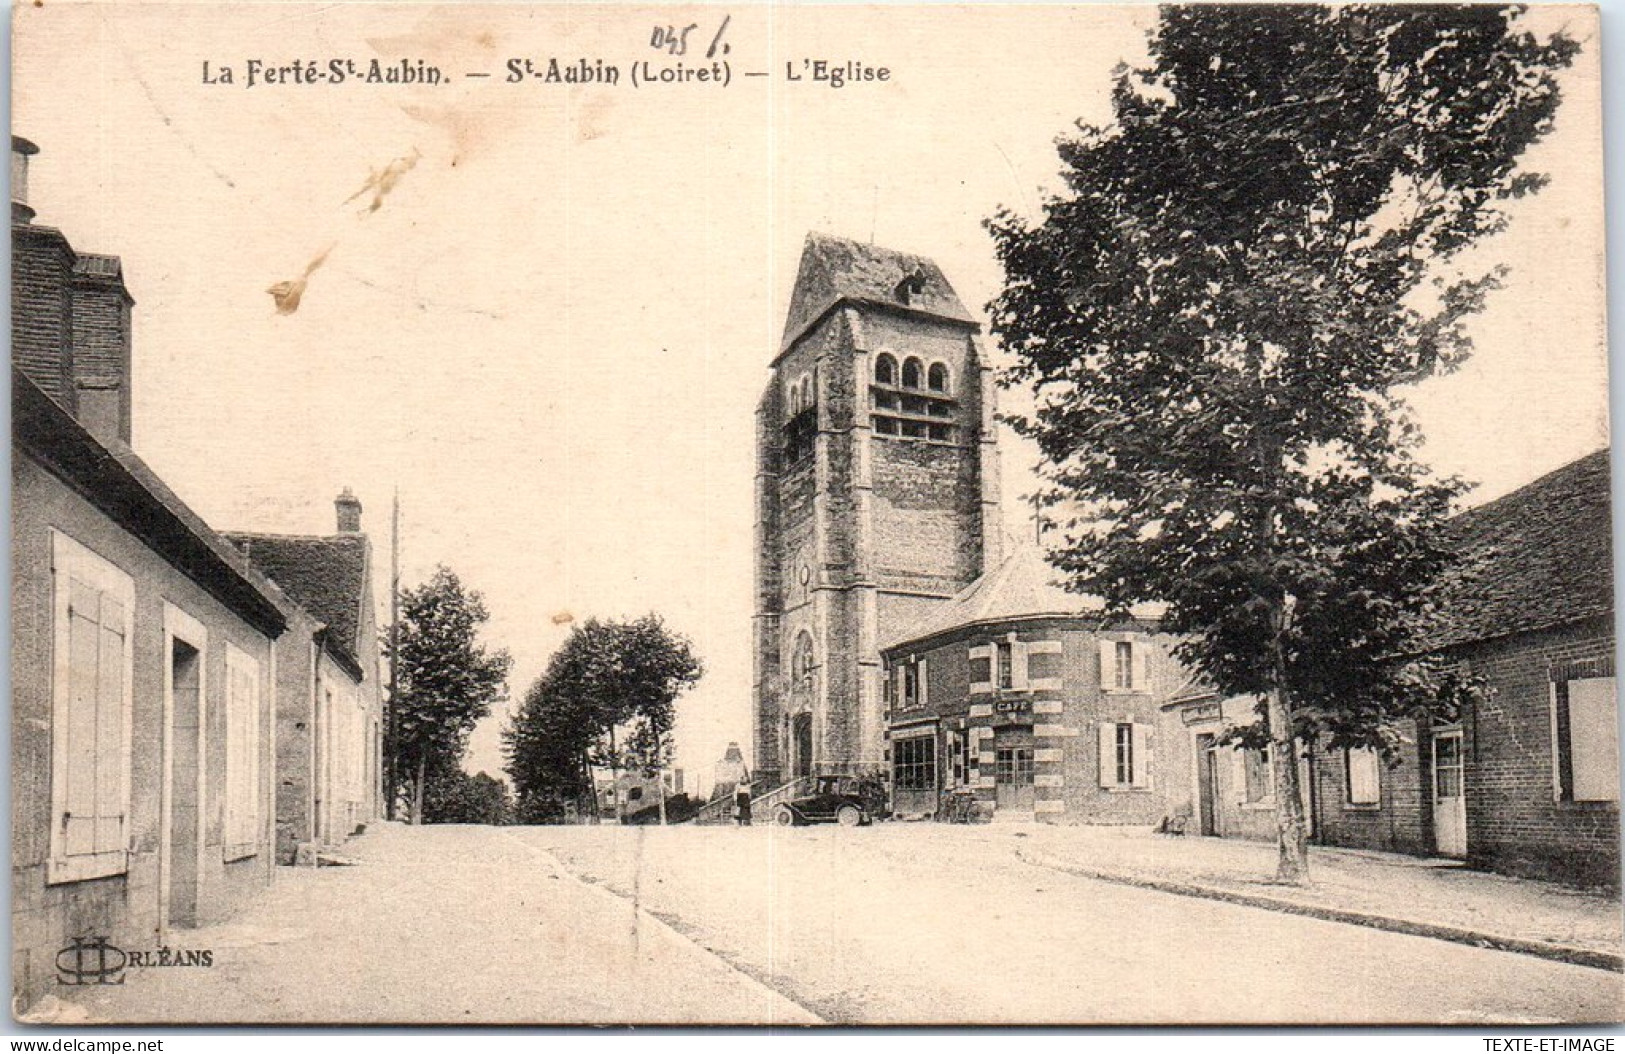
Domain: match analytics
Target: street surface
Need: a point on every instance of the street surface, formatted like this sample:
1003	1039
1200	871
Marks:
890	924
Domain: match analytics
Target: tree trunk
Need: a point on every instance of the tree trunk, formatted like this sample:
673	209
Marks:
1292	865
1292	836
417	793
588	802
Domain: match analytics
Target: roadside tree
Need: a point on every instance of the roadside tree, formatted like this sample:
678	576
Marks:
1218	318
446	682
607	699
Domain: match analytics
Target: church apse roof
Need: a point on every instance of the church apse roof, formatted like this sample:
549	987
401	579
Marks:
835	269
1021	587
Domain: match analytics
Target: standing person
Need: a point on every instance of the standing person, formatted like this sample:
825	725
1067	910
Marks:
742	800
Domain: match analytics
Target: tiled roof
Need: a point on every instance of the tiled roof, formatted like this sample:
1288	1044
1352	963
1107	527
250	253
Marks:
1538	557
324	574
1023	586
835	269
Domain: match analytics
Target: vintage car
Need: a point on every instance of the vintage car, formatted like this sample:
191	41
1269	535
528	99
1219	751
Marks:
836	799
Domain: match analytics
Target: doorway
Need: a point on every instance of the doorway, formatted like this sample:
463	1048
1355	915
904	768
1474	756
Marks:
183	837
1013	779
801	745
1449	795
1207	785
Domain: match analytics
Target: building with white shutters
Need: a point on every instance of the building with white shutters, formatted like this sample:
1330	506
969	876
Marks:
1024	696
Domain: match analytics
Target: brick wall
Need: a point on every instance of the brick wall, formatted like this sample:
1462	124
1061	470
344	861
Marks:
1060	724
1514	822
42	309
101	355
1402	819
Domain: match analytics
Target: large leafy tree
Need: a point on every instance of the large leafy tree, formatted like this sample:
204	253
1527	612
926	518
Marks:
1219	314
446	681
608	698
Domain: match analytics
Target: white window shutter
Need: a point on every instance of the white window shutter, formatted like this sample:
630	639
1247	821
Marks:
1142	755
90	713
78	809
925	695
1141	651
1018	666
110	637
1108	663
1108	754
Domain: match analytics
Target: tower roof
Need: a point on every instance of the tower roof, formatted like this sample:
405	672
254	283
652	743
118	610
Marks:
1022	586
839	269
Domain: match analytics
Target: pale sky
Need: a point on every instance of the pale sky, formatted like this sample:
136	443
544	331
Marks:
551	334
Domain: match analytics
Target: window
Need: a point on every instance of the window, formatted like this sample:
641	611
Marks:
1125	755
1447	766
911	373
1362	773
1123	665
801	665
1587	739
90	714
913	689
885	369
914	763
937	378
801	421
1007	664
1260	784
634	794
243	752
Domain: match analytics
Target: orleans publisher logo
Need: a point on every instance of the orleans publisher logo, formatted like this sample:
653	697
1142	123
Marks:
91	960
96	960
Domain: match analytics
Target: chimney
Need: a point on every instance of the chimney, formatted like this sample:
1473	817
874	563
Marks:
21	151
349	510
70	316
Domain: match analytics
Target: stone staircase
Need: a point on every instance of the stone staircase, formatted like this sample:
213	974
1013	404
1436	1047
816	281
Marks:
721	810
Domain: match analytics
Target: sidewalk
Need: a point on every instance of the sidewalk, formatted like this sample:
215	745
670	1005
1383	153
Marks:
1406	894
436	925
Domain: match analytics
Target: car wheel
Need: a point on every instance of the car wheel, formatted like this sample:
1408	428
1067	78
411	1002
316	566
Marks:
784	817
848	816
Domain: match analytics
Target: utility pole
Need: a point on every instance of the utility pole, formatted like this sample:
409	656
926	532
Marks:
390	729
660	779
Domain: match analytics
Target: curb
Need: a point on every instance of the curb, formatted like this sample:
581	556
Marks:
1563	953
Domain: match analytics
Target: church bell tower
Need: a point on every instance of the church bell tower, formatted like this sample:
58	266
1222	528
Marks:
876	494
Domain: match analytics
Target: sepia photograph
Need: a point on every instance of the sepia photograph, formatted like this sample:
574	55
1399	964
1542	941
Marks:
791	515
